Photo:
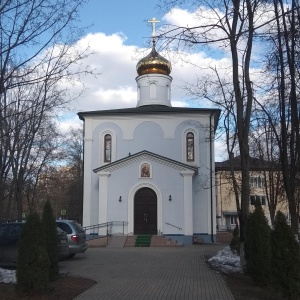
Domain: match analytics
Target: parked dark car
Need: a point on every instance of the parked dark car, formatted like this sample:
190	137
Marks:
10	234
76	236
62	244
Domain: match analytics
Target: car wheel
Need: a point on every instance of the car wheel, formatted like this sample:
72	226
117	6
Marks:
71	255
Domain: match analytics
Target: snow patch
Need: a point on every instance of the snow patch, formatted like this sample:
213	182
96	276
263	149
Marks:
8	276
226	261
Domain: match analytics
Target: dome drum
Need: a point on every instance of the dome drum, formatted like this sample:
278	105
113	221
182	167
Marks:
154	89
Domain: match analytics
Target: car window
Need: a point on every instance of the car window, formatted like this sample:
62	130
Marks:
15	231
10	232
2	230
3	233
59	231
65	227
78	227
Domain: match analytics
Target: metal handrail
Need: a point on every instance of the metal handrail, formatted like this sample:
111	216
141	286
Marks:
107	225
96	226
174	226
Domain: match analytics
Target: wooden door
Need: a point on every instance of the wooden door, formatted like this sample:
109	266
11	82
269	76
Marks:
145	212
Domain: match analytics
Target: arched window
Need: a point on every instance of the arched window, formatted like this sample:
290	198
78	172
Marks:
190	147
168	91
152	90
107	148
139	93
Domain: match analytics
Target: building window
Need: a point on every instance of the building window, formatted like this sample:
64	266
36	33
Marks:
254	198
107	148
168	91
153	91
190	153
257	182
139	93
233	219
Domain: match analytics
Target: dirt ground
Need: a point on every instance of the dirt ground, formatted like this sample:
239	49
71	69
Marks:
243	288
64	288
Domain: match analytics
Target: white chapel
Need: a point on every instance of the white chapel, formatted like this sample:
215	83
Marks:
151	167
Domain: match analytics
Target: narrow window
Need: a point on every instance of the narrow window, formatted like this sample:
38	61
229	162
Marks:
251	182
233	219
152	90
190	156
139	93
107	148
168	92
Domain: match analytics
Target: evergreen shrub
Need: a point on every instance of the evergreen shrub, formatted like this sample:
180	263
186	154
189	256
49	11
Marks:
285	259
33	264
235	241
257	246
50	236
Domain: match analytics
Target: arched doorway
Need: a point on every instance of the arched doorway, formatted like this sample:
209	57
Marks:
145	211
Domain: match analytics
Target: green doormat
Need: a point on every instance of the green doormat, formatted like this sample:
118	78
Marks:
143	241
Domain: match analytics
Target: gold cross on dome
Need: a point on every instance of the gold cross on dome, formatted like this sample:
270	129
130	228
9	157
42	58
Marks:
153	21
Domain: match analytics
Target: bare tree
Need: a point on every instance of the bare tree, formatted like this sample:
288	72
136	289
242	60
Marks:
264	146
217	89
288	96
38	61
62	184
74	156
230	25
282	111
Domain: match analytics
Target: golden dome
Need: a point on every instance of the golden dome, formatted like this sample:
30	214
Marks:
153	63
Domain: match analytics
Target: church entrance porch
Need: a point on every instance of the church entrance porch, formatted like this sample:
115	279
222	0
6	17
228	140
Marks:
145	211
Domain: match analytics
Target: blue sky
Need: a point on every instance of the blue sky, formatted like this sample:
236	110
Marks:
126	16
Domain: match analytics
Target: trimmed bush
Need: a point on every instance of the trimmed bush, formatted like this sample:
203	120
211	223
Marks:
50	236
285	259
257	246
33	263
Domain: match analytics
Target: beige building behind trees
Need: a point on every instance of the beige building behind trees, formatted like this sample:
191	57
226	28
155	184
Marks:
265	185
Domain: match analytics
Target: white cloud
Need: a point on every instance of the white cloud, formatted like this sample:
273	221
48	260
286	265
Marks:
68	122
220	152
115	86
208	23
199	20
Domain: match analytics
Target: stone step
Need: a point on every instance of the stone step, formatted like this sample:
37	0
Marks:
156	241
130	241
160	241
143	241
98	242
117	241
